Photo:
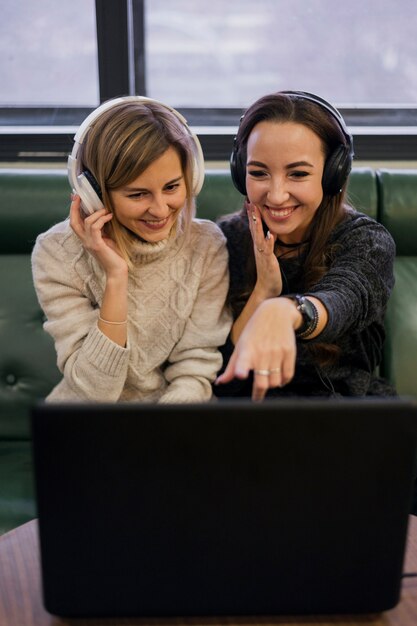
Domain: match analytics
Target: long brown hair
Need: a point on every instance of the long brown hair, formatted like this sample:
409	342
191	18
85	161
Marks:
281	108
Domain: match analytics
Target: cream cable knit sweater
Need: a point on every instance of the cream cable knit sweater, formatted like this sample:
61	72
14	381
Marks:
176	317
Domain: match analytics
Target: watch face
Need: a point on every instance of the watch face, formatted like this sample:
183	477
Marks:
311	319
307	310
310	316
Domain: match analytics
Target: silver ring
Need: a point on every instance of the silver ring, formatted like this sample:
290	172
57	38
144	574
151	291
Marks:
262	372
275	369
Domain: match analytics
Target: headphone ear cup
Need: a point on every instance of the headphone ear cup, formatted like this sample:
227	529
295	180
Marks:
336	170
198	167
90	193
238	171
198	160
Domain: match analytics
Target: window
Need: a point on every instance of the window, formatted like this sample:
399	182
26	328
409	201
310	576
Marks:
209	60
227	54
49	53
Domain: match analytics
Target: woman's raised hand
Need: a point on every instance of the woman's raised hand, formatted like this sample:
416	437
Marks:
90	230
268	271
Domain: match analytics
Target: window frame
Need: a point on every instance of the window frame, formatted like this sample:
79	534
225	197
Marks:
386	133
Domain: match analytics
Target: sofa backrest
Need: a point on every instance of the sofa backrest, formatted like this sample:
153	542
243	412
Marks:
397	210
32	201
28	368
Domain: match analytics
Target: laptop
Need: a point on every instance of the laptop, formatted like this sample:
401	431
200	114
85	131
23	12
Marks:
224	508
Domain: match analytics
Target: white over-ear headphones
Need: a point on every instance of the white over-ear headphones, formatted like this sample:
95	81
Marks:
84	184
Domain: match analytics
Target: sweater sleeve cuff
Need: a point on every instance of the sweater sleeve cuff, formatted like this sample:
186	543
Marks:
185	390
105	355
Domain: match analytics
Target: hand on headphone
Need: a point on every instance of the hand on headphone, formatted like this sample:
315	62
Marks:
91	232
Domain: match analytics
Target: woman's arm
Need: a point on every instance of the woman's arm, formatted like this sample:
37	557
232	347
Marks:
358	284
267	345
90	230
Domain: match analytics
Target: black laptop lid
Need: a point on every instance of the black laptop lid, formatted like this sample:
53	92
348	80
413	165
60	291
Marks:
281	507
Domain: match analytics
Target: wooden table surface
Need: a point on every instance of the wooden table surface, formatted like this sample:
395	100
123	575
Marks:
21	600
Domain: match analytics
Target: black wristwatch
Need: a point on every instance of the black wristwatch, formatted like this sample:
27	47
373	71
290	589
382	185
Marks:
310	315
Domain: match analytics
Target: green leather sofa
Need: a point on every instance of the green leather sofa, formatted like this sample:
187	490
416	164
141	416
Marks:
34	199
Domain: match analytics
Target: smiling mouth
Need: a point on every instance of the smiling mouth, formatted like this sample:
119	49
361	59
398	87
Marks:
155	224
281	213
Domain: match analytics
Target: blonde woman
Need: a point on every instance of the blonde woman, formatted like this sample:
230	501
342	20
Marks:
132	286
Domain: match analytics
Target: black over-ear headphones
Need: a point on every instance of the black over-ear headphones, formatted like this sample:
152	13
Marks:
338	163
83	182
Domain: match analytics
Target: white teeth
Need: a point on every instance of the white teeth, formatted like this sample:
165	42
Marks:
281	213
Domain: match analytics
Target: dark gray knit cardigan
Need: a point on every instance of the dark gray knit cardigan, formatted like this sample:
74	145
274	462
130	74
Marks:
355	291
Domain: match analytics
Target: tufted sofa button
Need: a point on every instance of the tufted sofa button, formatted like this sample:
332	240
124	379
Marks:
11	379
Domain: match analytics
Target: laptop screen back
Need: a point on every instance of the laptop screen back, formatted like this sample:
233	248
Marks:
232	508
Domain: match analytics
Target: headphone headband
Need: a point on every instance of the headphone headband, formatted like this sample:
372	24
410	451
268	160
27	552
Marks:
305	95
338	164
84	184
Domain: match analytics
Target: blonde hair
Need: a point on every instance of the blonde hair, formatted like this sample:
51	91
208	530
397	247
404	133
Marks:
123	142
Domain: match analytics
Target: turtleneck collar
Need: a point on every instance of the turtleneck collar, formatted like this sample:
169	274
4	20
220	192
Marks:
149	251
